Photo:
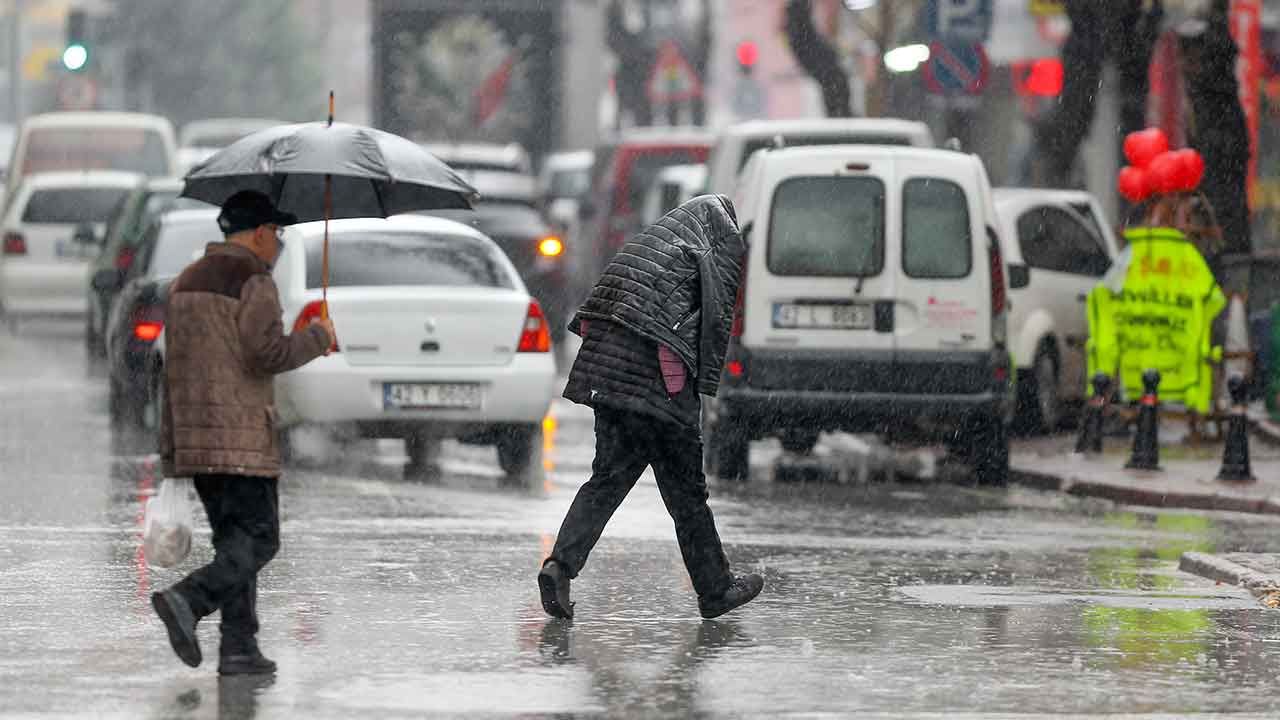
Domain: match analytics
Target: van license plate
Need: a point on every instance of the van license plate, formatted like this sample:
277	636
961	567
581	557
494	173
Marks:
824	316
405	396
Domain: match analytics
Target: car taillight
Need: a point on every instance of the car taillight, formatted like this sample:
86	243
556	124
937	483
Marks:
15	244
313	310
550	246
734	367
124	259
535	336
148	321
999	298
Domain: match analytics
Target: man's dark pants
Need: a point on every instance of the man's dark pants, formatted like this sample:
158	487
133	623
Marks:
627	443
244	516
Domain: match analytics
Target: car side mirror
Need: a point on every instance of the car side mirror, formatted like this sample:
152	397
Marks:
84	235
1019	276
107	280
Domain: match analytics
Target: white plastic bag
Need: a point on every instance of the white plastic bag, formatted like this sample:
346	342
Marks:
166	530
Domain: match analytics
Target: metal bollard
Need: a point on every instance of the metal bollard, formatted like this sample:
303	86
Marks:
1235	454
1090	440
1146	442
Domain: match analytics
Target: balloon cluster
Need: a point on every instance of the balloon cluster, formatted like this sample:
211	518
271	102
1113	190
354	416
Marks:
1154	169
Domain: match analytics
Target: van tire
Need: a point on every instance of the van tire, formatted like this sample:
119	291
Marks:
987	449
1039	405
728	451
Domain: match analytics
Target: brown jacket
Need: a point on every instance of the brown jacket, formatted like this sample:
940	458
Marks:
224	340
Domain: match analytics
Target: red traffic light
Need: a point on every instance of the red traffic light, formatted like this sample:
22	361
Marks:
748	53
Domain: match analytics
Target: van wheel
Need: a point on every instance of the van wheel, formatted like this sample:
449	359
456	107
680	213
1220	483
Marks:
1040	407
800	442
987	448
520	454
728	449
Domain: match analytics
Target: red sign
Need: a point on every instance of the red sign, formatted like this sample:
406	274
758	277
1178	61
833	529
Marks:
1246	30
673	79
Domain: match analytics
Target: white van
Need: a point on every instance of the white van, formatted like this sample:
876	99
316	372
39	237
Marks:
78	141
737	143
874	301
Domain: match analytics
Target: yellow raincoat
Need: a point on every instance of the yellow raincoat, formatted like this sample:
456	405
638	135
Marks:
1155	310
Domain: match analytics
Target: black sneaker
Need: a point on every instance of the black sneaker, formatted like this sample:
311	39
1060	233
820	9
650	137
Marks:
743	590
554	586
253	663
178	619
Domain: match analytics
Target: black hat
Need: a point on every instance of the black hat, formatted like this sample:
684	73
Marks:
249	209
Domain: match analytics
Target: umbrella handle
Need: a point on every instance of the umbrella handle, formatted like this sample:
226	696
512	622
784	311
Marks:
324	255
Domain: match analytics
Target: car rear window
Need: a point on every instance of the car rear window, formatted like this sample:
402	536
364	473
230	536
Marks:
95	148
829	226
810	140
72	206
936	238
180	244
391	258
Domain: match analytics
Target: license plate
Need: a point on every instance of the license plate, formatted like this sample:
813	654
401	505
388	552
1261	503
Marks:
824	316
402	396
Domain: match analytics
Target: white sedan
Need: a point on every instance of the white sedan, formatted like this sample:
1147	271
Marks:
437	338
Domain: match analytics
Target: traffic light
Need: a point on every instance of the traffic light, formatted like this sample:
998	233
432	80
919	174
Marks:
747	53
75	57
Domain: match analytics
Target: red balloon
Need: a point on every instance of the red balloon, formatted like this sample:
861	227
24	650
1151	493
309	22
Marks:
1166	173
1134	184
1192	168
1144	146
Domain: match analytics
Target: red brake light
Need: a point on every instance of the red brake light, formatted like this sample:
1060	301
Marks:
147	331
15	244
998	299
124	258
535	336
313	310
734	367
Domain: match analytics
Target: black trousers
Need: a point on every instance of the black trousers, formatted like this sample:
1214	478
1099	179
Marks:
627	443
244	514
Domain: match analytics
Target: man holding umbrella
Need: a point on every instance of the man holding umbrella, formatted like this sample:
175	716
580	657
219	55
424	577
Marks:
224	343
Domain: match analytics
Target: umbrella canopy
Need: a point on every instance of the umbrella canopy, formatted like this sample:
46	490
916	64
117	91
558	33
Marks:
372	173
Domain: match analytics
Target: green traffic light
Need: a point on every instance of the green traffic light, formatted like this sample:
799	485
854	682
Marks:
75	57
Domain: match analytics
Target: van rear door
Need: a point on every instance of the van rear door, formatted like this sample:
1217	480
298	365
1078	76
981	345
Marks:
820	282
943	313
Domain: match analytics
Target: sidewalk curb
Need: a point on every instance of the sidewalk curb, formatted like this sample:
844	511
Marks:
1221	570
1151	497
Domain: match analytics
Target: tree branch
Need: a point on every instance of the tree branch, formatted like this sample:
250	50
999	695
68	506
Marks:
818	58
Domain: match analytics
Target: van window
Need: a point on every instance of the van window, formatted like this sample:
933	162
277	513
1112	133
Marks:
830	226
378	259
72	206
936	236
1051	239
95	148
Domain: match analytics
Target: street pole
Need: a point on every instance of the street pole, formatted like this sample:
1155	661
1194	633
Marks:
15	62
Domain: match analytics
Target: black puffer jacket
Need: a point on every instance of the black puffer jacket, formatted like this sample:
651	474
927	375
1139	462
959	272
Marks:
675	283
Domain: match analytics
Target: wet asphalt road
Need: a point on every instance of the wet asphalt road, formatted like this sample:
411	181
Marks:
403	599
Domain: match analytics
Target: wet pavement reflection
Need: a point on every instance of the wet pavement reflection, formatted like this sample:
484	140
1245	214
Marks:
398	598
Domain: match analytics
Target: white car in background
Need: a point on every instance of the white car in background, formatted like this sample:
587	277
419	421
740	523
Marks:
565	179
1058	245
52	231
437	338
674	185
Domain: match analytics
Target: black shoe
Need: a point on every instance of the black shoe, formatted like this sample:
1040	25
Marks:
554	585
253	663
181	624
743	590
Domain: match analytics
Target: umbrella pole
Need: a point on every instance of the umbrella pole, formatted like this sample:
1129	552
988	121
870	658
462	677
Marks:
328	210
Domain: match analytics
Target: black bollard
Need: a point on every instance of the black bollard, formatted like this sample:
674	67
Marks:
1090	440
1146	442
1235	455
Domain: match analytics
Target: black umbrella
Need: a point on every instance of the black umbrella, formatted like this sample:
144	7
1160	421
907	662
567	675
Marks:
324	170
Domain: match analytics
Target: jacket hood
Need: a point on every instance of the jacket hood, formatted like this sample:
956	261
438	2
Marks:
717	223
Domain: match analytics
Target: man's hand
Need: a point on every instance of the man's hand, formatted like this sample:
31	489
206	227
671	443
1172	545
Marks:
327	324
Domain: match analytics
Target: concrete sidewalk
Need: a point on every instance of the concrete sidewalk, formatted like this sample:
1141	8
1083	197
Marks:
1188	478
1259	573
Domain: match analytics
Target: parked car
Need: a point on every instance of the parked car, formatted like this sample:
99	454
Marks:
466	158
737	142
624	169
874	301
202	138
66	141
1057	246
170	243
437	338
121	238
673	186
564	181
52	232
